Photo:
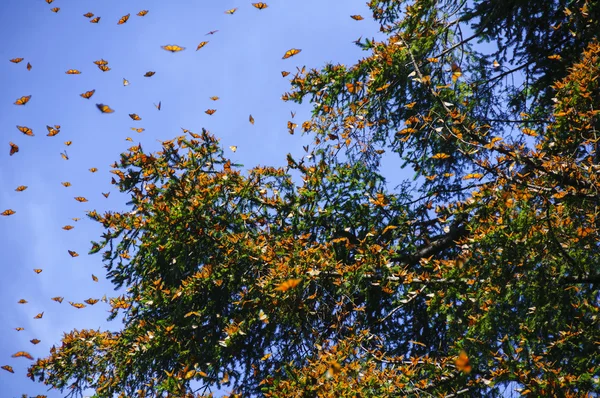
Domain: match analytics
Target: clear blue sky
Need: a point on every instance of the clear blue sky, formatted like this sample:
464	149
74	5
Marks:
241	64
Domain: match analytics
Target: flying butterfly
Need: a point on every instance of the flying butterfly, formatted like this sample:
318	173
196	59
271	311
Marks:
8	368
123	19
73	72
462	362
129	139
35	341
49	1
80	199
28	66
68	143
25	130
64	155
22	301
104	108
138	129
88	94
214	98
91	301
88	15
103	68
210	111
287	285
8	212
68	227
21	188
58	299
95	20
94	278
173	48
260	6
101	61
142	13
14	148
77	305
55	9
23	100
149	74
231	12
233	148
202	44
134	116
39	316
125	82
66	184
73	253
52	131
19	329
106	194
357	17
23	354
158	106
251	119
93	170
284	73
291	53
212	32
37	270
16	60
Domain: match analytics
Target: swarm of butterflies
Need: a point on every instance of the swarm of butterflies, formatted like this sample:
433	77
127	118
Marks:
54	130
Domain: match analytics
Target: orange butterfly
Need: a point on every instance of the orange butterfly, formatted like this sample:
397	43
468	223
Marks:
28	66
52	131
103	68
93	170
21	188
14	148
68	227
284	73
66	184
134	116
159	105
101	62
55	9
22	301
215	98
138	129
49	1
123	19
88	94
16	60
231	12
37	270
23	354
173	48
357	17
142	13
8	368
80	199
23	100
25	130
287	285
88	15
73	72
77	305
125	82
58	299
95	20
202	44
291	53
251	119
91	301
39	316
72	253
64	155
8	212
260	6
94	278
210	111
462	362
106	194
104	108
35	341
19	329
149	74
68	143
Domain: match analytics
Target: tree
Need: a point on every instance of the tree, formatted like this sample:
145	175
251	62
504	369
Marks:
480	272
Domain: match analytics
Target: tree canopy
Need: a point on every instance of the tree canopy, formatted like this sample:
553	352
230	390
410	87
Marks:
319	279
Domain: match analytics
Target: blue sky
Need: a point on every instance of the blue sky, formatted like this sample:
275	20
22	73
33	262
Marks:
241	64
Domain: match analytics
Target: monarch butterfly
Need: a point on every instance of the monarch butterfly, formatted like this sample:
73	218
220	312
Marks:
210	111
66	184
291	126
233	148
94	278
23	100
202	44
142	13
88	15
231	12
35	341
95	20
462	362
28	66
91	301
39	316
73	253
14	148
68	227
55	9
134	116
284	73
125	82
49	1
16	60
212	32
260	6
251	119
357	17
293	114
64	155
88	94
8	368
25	130
73	72
68	143
37	270
106	194
52	131
23	354
173	48
104	108
22	301
93	169
138	129
287	285
21	188
129	139
58	299
8	212
103	68
291	53
158	106
19	329
80	199
77	305
149	74
123	19
101	61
